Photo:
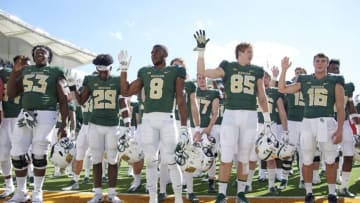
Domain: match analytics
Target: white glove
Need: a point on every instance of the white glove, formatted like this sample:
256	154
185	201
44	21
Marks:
124	61
183	136
285	136
267	119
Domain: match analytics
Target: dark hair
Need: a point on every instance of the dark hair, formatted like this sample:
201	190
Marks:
241	47
103	59
321	55
44	47
178	59
334	61
161	47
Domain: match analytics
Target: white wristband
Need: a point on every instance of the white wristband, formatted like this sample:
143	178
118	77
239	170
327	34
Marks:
127	120
266	116
201	53
197	129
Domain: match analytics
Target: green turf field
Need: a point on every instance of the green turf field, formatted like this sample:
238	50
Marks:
201	187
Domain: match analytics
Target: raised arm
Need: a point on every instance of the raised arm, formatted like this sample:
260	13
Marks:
283	88
200	48
14	84
127	89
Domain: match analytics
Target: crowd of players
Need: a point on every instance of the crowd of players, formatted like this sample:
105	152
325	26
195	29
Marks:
180	127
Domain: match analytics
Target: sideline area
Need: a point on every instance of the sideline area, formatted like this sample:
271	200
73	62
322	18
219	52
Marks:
76	197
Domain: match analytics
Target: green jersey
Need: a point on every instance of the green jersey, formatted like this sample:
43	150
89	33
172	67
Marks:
221	111
205	99
349	89
240	84
296	105
319	95
160	87
105	98
273	95
11	106
135	110
40	85
79	118
190	88
71	107
87	108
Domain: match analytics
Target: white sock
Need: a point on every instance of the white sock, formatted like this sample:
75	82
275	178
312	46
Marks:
137	178
76	177
332	189
345	179
164	176
189	182
6	167
223	188
111	191
21	183
250	177
98	190
9	182
151	177
241	186
38	183
308	188
175	176
272	174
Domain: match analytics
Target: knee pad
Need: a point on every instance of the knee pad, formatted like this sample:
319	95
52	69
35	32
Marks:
20	162
286	165
151	162
112	156
39	161
317	159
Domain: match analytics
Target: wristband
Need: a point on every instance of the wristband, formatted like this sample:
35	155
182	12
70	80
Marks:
201	52
123	109
127	120
197	129
266	116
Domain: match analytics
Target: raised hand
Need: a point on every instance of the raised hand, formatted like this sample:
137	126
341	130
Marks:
285	63
21	63
200	40
124	60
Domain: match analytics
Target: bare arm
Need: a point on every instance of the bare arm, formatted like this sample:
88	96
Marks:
63	104
282	114
262	96
339	99
215	114
124	114
180	99
72	118
194	110
129	89
283	88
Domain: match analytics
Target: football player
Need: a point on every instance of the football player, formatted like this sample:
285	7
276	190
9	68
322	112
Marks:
10	109
348	142
243	83
41	86
103	130
321	92
162	84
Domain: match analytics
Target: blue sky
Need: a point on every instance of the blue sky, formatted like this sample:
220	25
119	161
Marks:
298	29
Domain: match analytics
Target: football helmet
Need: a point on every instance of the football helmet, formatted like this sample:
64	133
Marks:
207	143
129	149
357	148
193	157
266	145
62	153
285	151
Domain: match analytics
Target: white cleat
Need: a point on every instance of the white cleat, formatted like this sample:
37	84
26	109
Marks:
98	198
113	199
19	196
37	197
135	185
7	192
